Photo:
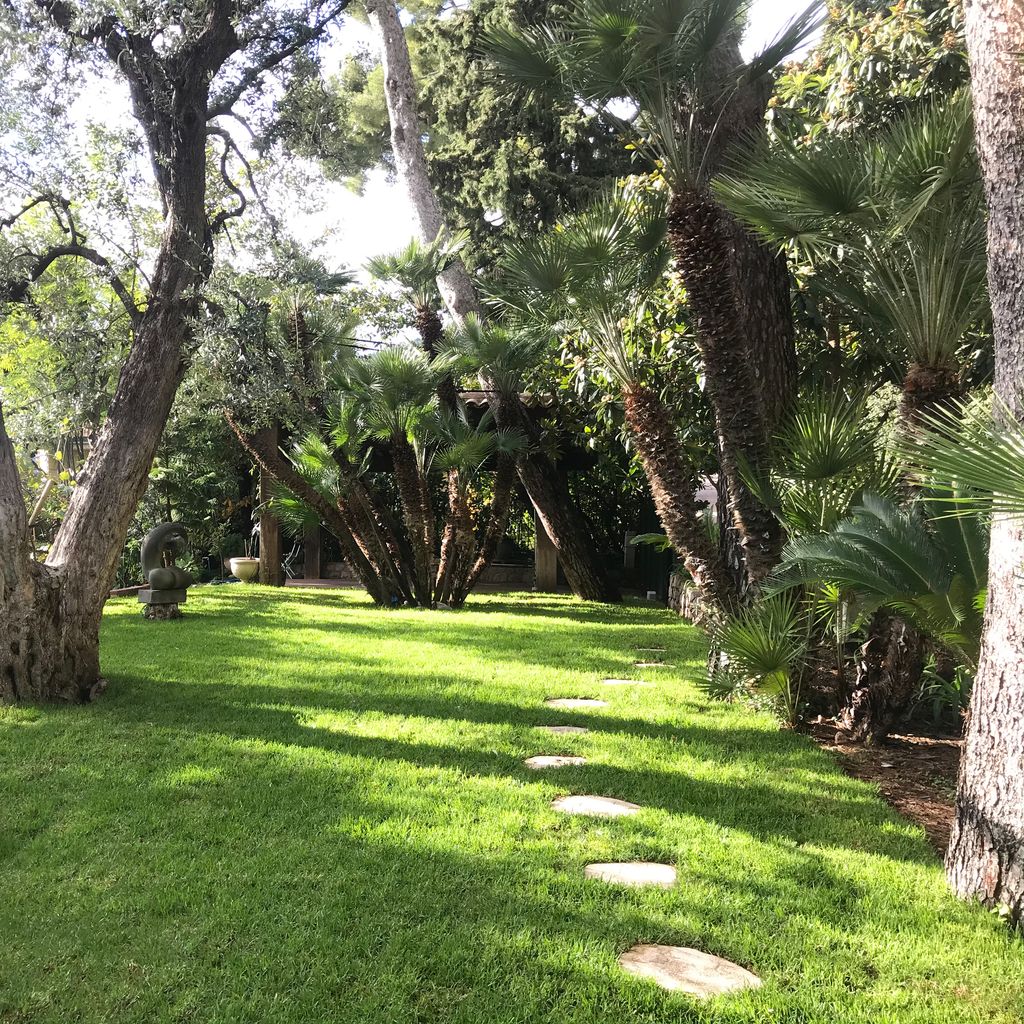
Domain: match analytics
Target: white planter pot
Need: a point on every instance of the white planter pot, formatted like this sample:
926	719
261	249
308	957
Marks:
246	569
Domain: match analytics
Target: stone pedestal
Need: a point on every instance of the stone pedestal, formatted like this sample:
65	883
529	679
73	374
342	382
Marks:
161	605
161	612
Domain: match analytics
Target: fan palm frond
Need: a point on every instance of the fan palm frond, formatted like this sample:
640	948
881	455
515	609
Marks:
416	267
665	56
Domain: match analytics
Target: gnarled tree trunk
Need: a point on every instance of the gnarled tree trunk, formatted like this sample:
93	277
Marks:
888	675
985	860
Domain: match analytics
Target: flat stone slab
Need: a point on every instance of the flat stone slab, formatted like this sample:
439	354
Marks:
553	761
626	682
654	650
652	664
575	702
635	873
595	806
564	730
681	969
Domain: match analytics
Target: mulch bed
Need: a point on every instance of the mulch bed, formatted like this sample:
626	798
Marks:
916	774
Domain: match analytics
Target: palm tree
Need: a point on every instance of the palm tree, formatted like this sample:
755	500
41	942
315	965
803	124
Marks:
501	359
893	228
393	392
696	100
592	276
416	269
463	451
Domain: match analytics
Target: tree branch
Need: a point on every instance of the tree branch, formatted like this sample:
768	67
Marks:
222	104
17	291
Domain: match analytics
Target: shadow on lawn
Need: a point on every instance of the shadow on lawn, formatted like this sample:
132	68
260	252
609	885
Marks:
766	811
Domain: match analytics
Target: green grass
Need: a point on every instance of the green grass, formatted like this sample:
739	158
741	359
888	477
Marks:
292	807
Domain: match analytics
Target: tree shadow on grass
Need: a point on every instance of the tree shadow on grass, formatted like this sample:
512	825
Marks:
293	906
768	811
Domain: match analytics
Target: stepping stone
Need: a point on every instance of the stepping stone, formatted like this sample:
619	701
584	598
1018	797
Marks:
595	806
681	969
626	682
652	664
575	702
651	650
553	761
564	730
636	873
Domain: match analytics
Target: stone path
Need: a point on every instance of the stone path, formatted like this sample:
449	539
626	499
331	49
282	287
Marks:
681	969
674	968
633	873
595	806
553	761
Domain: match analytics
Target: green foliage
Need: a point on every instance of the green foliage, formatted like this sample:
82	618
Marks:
504	356
592	276
417	266
890	223
823	458
886	556
764	645
980	456
669	59
945	696
876	62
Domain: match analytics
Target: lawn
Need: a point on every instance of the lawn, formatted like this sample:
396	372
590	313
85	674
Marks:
291	807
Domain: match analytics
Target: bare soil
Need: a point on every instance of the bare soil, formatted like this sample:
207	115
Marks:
916	774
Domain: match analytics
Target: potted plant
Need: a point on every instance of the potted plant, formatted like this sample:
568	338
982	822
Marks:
245	567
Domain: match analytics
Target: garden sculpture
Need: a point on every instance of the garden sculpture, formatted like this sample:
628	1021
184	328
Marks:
167	584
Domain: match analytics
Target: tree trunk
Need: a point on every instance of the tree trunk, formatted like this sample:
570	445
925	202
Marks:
673	486
985	860
271	553
888	675
764	292
497	523
926	390
83	560
545	485
702	242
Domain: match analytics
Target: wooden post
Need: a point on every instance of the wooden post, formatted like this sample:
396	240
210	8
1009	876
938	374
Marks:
271	568
311	542
545	560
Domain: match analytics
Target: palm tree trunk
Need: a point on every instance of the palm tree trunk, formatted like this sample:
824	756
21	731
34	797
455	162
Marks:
928	389
986	852
673	486
449	542
888	675
497	524
702	243
407	478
